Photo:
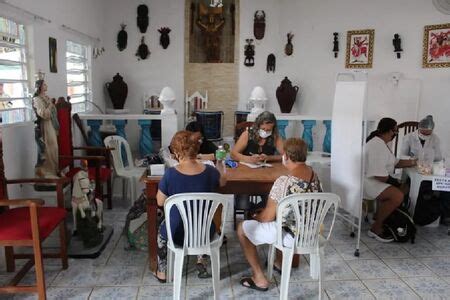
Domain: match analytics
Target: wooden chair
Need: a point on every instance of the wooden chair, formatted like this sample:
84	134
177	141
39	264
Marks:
193	103
407	127
99	165
28	226
240	128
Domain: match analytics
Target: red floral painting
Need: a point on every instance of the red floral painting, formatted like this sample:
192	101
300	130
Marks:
359	49
436	46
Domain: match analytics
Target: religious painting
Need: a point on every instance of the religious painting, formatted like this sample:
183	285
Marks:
52	54
360	45
436	46
211	31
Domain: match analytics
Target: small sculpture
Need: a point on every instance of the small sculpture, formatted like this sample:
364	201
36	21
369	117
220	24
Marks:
211	21
142	18
46	131
118	91
289	48
87	210
259	24
270	63
397	42
286	95
249	53
164	39
122	38
336	44
142	51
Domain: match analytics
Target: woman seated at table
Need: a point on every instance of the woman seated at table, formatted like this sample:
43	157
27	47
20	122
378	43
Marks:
189	176
378	183
262	230
260	142
207	148
422	140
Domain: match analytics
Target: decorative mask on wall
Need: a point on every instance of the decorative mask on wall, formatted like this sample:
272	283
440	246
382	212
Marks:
397	42
259	24
270	63
336	44
142	17
122	38
142	51
164	39
249	53
289	48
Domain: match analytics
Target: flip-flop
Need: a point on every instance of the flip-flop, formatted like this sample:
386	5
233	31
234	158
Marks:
159	279
249	283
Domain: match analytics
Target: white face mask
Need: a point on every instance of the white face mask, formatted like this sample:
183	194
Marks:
424	137
264	134
284	160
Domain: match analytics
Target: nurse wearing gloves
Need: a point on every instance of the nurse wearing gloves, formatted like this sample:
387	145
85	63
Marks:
422	140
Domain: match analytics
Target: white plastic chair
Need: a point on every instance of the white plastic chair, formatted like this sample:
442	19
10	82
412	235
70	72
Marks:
197	211
130	173
310	211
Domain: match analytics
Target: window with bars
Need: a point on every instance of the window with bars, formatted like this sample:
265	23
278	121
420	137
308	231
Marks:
78	76
15	100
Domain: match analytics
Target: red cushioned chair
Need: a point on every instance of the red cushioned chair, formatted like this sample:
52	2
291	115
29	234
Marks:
99	165
28	226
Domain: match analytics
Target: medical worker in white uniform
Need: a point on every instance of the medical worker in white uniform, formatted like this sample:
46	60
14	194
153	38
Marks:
380	164
422	140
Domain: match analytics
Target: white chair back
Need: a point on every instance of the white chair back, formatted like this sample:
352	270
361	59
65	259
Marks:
310	211
193	103
119	144
197	211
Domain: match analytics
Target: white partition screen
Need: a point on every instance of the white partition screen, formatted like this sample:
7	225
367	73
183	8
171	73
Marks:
346	143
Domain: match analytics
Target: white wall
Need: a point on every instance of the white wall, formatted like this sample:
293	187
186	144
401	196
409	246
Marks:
83	15
313	66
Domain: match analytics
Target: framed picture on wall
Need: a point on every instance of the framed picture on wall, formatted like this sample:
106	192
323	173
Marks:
52	55
436	46
359	54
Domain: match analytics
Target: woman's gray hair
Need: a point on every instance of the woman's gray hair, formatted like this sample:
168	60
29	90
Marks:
265	117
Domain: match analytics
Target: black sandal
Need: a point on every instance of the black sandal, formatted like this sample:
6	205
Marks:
249	283
202	272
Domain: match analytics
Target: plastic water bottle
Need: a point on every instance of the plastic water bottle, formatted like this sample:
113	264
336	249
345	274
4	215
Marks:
221	154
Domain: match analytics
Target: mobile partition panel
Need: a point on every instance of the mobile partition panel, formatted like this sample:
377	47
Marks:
347	141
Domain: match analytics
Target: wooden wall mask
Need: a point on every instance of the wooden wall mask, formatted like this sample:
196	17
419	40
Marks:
142	18
259	24
122	38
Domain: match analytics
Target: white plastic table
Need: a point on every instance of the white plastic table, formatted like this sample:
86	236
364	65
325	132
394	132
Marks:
416	180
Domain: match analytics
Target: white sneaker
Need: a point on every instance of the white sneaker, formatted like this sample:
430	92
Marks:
384	238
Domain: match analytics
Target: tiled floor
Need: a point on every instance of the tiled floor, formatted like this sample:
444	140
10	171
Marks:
383	271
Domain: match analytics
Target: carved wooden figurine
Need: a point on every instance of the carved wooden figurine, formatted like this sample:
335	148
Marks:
397	42
249	53
336	44
142	51
122	38
270	63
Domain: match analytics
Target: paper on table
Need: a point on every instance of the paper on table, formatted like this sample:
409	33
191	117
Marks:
255	166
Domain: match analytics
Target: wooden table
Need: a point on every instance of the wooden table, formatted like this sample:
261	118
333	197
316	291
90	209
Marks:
242	180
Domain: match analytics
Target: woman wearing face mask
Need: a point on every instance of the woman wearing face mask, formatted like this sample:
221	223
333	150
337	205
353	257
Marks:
260	142
263	229
378	183
422	140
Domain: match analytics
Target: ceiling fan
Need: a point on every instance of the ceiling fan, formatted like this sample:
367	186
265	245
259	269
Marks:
443	6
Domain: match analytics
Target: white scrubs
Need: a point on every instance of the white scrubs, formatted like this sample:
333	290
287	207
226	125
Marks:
411	145
380	161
